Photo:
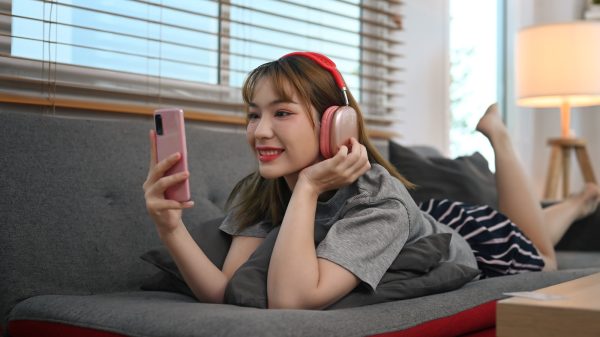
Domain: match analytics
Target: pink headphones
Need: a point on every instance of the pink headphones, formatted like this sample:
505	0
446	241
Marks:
338	123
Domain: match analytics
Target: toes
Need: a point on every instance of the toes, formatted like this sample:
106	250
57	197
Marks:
493	108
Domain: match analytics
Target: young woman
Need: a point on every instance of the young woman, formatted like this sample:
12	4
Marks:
356	196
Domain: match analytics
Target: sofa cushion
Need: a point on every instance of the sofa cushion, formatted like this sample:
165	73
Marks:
578	259
168	314
467	179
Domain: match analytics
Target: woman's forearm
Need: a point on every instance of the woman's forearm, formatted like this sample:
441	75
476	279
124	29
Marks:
206	281
294	269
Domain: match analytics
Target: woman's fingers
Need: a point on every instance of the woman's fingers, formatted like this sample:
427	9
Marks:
357	161
357	151
354	161
155	200
349	163
164	165
163	183
168	181
158	171
345	167
157	205
158	187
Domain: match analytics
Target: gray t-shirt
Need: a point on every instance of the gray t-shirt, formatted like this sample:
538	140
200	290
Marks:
365	225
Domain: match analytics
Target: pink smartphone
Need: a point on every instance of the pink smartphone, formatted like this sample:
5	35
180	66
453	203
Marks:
170	138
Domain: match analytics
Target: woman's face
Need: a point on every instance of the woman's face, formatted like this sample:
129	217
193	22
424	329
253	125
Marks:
281	134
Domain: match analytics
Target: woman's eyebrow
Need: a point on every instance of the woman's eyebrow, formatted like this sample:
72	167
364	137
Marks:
277	101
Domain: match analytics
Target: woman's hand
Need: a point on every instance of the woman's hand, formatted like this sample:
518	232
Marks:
165	213
340	170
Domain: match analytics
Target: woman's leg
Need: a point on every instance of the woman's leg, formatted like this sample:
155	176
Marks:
559	217
515	195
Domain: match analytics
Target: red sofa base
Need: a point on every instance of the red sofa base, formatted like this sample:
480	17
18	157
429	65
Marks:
478	321
475	322
30	328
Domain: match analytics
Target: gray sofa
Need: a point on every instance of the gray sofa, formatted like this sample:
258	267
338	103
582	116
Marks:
73	227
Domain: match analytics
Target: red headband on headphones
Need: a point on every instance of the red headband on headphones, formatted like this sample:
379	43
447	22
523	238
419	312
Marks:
327	64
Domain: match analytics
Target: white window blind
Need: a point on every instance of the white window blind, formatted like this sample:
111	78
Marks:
135	55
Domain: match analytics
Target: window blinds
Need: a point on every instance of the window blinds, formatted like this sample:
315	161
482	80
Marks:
135	55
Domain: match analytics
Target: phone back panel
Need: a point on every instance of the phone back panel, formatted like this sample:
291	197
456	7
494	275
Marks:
171	141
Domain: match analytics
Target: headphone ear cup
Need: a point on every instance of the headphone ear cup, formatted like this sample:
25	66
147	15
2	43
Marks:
338	125
325	133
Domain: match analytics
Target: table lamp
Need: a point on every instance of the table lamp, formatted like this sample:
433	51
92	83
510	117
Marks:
558	65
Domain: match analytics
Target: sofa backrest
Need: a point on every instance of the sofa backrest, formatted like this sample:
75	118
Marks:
72	211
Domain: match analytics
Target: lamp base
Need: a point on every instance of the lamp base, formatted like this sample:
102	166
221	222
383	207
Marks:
560	165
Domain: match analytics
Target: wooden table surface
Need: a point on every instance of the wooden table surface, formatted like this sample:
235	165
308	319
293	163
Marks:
576	313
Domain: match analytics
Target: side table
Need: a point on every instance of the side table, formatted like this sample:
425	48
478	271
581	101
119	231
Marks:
576	314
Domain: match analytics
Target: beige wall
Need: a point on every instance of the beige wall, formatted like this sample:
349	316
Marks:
425	118
426	115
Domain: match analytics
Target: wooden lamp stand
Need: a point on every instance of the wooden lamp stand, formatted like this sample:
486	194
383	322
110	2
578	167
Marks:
560	165
560	159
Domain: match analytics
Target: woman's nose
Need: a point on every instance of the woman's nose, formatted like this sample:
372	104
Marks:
264	128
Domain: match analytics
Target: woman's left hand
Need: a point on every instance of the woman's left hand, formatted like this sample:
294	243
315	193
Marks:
340	170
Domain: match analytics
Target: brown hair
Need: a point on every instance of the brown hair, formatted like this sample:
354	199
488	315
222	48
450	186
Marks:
256	198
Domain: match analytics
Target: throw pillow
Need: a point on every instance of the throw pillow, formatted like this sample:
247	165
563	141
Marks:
467	179
248	285
207	235
418	270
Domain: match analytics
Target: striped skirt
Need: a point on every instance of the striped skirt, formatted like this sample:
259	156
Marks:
498	244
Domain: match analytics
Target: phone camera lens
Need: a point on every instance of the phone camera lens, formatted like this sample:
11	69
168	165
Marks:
158	124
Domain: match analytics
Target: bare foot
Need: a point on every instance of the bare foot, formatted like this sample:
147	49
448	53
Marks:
491	123
587	200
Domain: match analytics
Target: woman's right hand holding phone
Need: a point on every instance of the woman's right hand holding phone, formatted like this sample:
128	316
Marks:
165	213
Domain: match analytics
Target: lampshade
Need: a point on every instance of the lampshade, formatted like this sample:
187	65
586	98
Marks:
558	64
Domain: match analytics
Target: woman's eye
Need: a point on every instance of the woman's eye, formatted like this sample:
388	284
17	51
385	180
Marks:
253	116
281	113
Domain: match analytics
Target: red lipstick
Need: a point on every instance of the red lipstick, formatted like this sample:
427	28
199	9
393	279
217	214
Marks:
268	153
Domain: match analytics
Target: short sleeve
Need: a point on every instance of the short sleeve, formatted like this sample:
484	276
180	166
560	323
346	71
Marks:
367	239
259	230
